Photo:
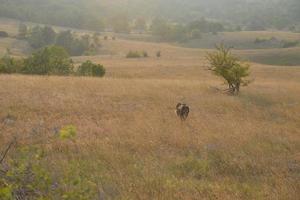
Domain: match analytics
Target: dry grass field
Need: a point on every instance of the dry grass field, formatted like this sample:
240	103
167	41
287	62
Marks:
130	144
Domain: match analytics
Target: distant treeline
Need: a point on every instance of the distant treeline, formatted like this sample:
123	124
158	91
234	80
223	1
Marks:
39	37
181	33
69	13
121	15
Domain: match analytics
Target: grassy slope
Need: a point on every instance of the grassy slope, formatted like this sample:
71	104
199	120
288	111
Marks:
281	57
130	144
243	39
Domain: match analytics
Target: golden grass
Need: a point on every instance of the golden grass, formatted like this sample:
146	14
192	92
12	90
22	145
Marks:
130	144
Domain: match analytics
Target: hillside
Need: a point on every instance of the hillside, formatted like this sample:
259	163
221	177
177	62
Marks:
243	43
117	137
130	144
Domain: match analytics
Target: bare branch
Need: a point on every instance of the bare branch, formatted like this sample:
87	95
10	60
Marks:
7	150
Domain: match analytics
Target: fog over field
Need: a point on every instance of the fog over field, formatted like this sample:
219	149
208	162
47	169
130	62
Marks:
149	99
271	13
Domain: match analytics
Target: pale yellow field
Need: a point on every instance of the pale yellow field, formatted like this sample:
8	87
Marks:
131	145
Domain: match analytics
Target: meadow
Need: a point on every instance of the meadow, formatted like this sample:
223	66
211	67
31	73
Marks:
131	145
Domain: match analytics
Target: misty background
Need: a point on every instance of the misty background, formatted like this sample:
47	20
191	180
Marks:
98	14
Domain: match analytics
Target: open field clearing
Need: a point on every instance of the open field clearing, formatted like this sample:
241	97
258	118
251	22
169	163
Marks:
283	57
130	144
243	39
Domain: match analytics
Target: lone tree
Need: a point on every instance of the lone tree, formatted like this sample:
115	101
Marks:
223	63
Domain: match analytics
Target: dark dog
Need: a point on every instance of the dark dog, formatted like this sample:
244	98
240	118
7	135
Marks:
182	111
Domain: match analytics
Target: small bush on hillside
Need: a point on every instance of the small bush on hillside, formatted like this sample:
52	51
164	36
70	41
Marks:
133	54
3	34
68	132
105	38
224	64
158	54
52	60
10	65
145	54
90	69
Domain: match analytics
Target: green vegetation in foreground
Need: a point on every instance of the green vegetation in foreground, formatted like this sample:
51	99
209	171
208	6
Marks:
27	173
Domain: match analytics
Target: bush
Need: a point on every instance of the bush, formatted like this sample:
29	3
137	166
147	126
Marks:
52	60
133	54
68	132
90	69
224	64
24	176
9	65
3	34
145	54
158	54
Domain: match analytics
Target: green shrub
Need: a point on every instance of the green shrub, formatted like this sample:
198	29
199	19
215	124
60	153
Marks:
9	65
224	64
52	60
133	54
90	69
68	132
24	176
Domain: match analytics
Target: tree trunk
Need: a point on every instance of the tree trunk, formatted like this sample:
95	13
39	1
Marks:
237	88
